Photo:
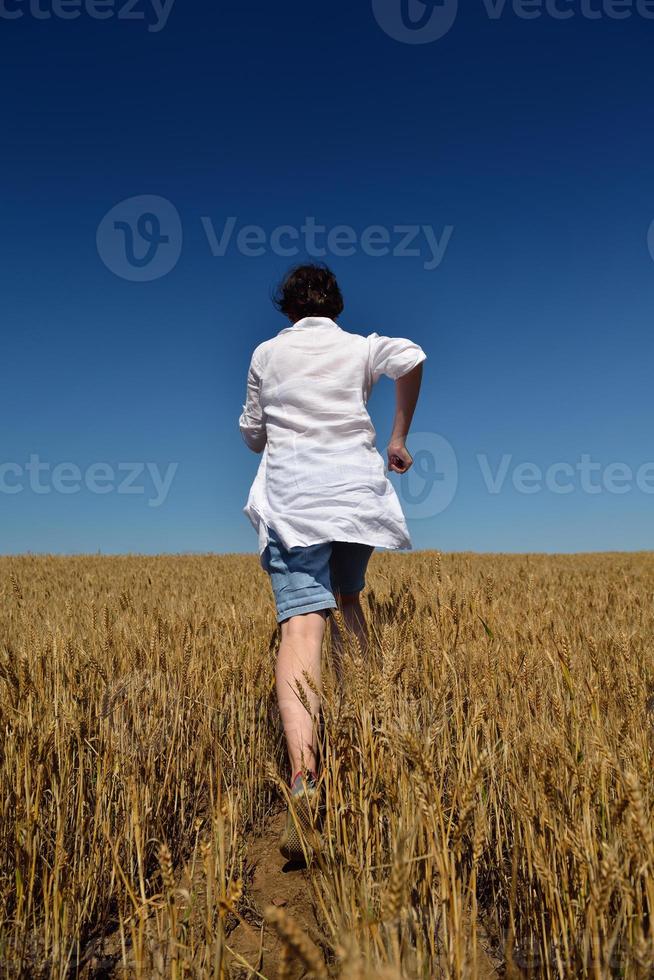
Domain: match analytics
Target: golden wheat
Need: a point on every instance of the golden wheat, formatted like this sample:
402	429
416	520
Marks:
486	771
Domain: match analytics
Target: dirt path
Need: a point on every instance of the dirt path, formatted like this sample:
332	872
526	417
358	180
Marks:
282	884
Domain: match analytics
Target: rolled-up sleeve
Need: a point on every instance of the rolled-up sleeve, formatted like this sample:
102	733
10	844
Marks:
393	356
251	421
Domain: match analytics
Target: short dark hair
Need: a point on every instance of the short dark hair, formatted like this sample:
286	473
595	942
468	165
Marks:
309	290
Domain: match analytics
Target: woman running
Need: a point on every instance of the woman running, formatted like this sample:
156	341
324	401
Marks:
321	501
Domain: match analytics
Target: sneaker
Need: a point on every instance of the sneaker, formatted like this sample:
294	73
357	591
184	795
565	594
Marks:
302	812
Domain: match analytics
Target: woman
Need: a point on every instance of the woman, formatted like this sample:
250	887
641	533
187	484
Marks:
321	501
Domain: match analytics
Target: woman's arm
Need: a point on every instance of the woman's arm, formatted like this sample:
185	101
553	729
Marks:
251	422
407	389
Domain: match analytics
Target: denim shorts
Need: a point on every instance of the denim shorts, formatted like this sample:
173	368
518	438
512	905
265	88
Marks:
306	579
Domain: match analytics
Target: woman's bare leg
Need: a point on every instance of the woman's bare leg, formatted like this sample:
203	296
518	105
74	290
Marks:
355	620
300	650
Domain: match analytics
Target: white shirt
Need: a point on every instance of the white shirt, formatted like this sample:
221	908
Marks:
321	477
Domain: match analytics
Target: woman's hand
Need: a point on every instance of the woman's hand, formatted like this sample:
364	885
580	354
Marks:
407	387
399	457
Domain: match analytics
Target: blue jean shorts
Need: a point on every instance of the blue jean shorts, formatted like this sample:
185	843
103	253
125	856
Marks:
306	579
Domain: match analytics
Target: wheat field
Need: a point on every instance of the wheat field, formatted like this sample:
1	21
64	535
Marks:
486	772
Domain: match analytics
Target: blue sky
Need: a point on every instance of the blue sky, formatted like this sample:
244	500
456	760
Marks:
521	146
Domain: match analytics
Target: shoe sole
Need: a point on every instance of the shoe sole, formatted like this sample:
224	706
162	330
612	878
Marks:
291	845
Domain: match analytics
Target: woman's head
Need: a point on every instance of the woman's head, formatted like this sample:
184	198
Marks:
309	290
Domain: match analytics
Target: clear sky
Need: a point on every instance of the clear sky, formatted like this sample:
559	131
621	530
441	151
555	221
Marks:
509	155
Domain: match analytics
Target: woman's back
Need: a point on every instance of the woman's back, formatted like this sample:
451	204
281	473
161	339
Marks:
314	388
321	476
